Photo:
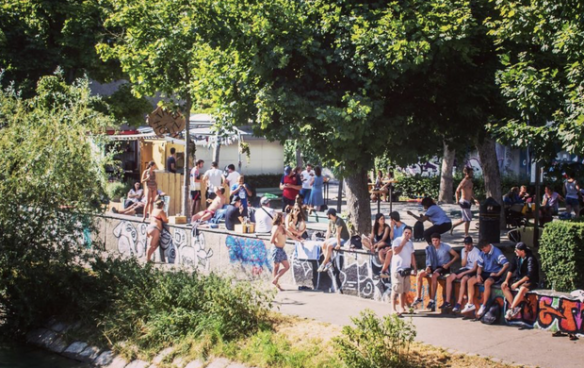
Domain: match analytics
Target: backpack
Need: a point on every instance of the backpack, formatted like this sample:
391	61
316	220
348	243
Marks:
492	315
356	242
419	230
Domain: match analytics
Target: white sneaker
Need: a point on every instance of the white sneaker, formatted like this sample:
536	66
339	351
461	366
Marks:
468	308
320	268
509	314
327	267
515	311
482	311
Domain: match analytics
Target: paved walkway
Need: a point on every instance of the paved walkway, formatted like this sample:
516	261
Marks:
506	343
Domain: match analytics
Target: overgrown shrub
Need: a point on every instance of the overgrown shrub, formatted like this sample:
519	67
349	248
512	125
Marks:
562	254
117	190
264	180
418	186
376	343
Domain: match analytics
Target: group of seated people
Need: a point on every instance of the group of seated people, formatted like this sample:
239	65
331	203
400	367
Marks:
381	186
484	264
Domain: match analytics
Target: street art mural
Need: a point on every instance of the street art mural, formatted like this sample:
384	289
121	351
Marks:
176	247
558	313
249	252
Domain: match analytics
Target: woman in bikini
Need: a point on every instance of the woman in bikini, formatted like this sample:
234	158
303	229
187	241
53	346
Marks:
150	187
154	229
296	223
278	241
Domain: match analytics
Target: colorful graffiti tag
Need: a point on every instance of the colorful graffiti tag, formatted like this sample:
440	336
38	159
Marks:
248	252
560	313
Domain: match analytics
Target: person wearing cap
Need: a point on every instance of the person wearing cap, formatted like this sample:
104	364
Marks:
233	214
337	235
522	277
492	265
264	216
468	259
396	225
439	257
290	187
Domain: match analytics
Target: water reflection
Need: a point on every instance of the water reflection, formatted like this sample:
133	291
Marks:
20	356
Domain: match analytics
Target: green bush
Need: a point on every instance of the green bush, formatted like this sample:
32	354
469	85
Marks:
562	254
418	186
117	190
264	180
376	343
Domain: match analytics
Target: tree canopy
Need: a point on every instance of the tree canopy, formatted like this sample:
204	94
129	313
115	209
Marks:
543	76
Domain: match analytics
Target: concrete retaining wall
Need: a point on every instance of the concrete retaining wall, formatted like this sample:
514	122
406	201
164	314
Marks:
354	272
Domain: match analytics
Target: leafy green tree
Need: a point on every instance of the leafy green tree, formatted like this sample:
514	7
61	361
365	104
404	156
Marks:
157	48
350	79
544	73
53	174
37	36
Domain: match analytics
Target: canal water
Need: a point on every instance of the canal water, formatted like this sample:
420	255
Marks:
21	356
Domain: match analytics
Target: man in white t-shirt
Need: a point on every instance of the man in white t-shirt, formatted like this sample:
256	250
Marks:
196	186
214	178
264	216
306	177
402	263
468	258
233	176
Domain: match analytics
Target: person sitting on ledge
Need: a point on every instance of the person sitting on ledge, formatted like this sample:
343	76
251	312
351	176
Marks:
439	257
523	276
216	204
492	265
469	257
233	213
337	235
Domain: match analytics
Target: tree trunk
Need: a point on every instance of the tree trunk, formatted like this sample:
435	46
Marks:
491	174
446	180
216	150
184	209
298	157
358	203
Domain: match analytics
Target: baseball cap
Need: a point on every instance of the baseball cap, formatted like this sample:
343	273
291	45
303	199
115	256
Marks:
468	240
235	199
521	246
265	200
287	170
331	211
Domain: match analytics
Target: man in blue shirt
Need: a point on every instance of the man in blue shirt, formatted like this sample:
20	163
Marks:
492	265
439	258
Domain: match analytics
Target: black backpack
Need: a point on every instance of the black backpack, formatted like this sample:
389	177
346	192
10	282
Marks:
419	230
492	315
356	242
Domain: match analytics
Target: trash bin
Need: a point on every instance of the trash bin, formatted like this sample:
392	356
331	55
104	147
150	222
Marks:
490	221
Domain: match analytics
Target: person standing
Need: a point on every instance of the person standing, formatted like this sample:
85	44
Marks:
264	216
522	277
316	182
571	190
402	262
154	229
241	189
465	198
149	182
195	177
290	187
306	176
171	161
279	256
232	176
214	178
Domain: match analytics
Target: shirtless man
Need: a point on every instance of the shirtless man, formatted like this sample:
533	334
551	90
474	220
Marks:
216	204
465	201
278	241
